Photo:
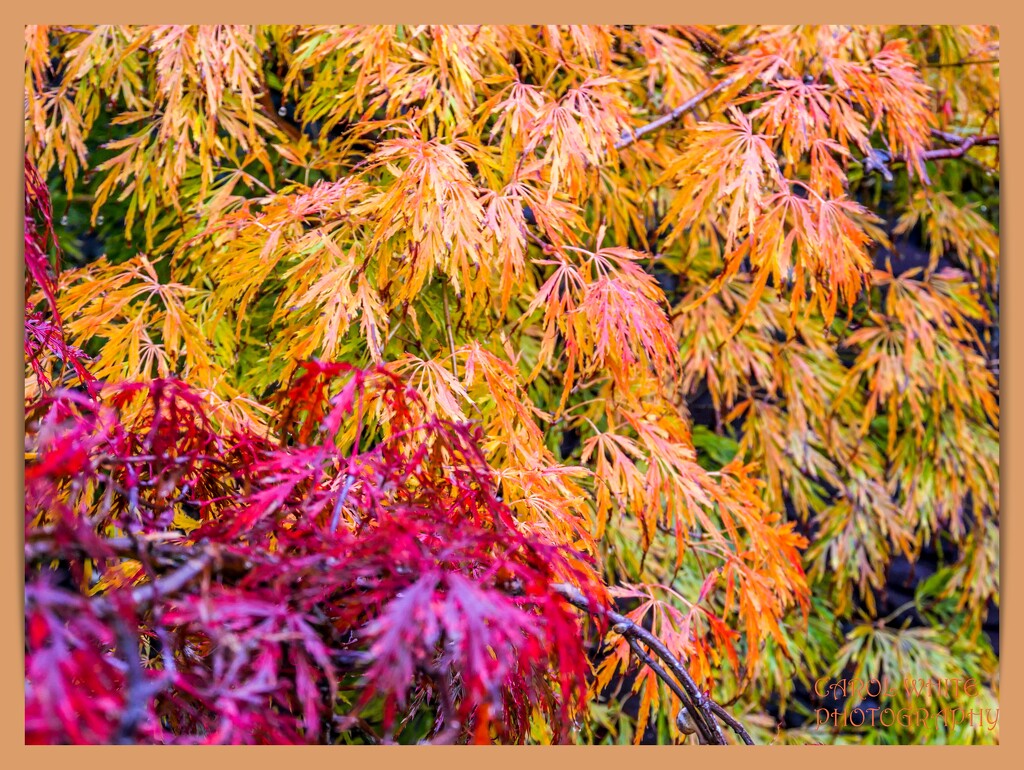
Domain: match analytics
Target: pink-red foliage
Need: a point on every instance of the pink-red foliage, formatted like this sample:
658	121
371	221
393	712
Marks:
186	586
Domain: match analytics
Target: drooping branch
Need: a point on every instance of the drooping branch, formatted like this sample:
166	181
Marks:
630	136
702	709
733	723
715	708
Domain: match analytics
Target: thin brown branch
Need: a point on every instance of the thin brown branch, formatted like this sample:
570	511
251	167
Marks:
630	136
268	109
448	329
961	63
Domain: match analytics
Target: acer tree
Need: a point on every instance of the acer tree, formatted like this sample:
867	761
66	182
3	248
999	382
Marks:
522	384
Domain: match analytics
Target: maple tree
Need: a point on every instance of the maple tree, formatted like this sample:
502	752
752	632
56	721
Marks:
487	383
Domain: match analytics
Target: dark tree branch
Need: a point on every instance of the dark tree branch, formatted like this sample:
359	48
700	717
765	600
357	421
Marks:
733	723
267	109
652	664
698	704
961	63
718	710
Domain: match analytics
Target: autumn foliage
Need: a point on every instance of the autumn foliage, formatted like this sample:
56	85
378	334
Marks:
377	379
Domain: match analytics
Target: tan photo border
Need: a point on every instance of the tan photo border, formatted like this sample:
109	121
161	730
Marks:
20	13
